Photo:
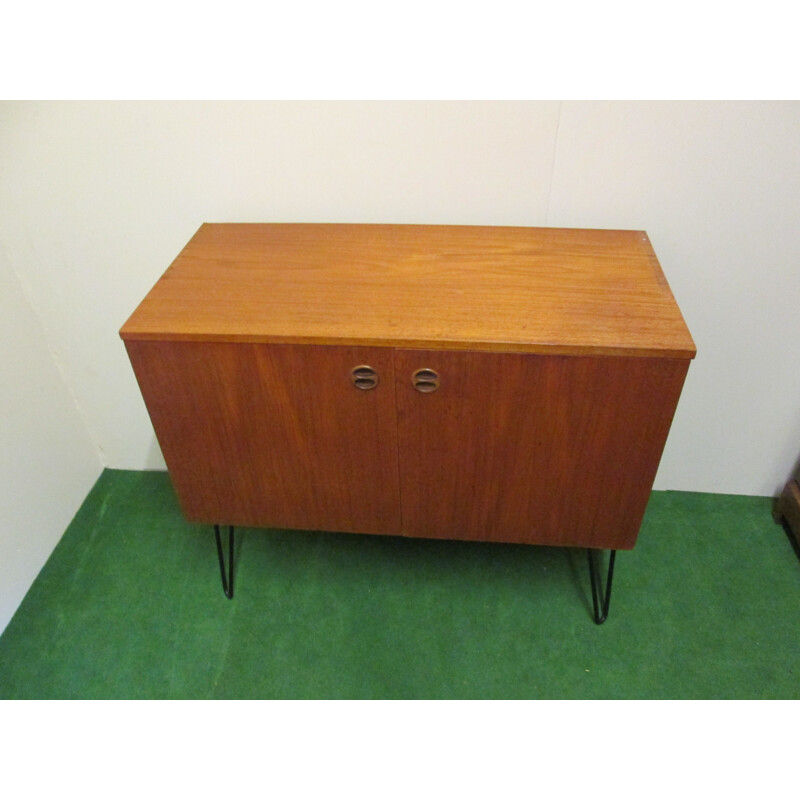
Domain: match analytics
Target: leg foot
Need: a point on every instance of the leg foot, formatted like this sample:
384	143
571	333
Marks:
601	608
227	580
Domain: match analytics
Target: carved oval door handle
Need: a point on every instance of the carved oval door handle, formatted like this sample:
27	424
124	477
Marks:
364	377
425	380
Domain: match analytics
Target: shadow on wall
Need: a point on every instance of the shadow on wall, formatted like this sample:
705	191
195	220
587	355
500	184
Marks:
155	458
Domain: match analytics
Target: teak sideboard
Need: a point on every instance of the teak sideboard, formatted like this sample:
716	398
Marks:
502	384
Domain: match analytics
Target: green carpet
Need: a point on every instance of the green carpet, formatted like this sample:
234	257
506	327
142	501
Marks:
130	605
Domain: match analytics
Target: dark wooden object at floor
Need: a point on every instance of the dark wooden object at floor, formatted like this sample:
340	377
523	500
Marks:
787	507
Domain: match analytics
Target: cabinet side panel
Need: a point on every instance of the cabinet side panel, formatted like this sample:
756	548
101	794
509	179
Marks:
554	450
274	435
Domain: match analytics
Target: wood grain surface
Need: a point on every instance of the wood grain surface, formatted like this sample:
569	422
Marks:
274	435
535	290
535	449
558	450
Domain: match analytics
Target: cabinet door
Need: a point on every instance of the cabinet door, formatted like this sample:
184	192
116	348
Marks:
558	450
275	435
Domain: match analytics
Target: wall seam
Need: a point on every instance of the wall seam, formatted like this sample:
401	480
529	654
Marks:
28	297
553	164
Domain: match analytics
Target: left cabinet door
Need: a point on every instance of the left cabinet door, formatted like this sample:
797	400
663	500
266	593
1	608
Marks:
275	435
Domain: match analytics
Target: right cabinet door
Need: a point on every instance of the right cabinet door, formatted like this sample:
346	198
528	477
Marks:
540	449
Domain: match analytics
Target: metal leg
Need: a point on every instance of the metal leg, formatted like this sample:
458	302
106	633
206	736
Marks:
227	581
601	615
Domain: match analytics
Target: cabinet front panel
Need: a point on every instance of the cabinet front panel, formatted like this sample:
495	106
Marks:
275	435
558	450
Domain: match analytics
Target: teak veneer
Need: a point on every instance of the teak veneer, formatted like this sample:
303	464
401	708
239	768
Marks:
553	362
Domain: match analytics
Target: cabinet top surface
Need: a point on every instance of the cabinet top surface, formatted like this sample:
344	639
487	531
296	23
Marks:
545	290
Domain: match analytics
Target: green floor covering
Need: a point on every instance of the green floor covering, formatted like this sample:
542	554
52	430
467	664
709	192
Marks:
130	606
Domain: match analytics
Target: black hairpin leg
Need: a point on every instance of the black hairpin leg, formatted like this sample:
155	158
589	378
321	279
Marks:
600	615
227	580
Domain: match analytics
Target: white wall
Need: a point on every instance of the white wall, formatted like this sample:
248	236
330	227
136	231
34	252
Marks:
717	186
48	461
98	198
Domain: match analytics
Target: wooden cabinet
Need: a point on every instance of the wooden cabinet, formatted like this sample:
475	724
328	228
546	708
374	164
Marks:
552	362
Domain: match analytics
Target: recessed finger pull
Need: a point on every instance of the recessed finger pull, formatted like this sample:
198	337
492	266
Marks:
364	377
425	380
